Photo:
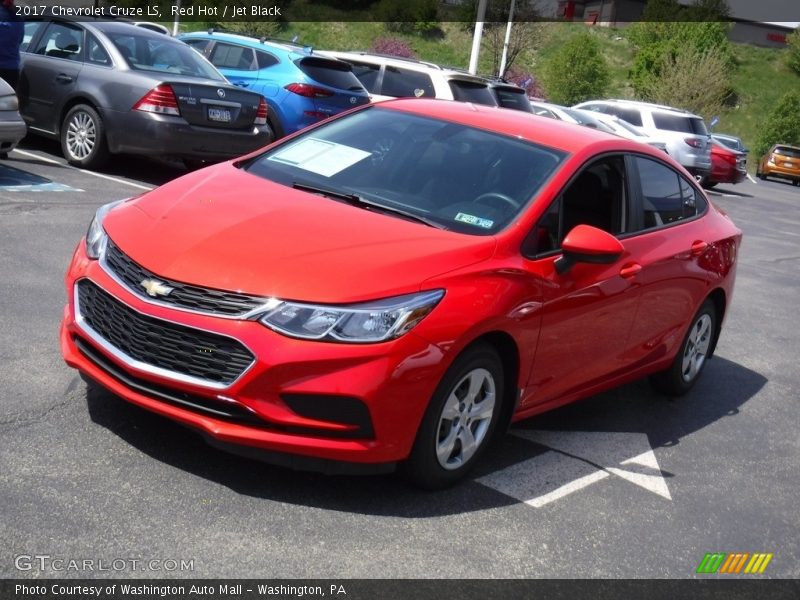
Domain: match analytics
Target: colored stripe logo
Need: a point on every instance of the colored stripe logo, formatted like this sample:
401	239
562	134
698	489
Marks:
734	563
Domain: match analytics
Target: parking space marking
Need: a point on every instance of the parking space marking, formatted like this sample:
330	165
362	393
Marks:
100	175
13	179
576	460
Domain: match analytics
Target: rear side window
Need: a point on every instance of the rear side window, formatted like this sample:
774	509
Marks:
469	91
787	151
228	56
404	83
367	74
666	196
61	40
631	115
679	123
333	73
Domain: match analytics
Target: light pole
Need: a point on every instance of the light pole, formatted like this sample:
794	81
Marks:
476	37
507	40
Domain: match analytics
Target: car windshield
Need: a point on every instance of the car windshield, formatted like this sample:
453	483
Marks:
452	176
628	127
146	53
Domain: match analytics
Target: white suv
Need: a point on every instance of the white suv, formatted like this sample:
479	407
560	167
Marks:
685	134
387	77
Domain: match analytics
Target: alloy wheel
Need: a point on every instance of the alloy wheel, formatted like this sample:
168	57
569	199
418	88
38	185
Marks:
696	349
81	135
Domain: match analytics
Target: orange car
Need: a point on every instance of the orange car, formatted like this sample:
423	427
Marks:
781	161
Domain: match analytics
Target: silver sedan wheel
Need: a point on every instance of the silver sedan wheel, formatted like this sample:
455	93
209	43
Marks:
696	350
465	419
81	135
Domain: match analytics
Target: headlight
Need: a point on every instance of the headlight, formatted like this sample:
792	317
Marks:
9	103
359	323
96	235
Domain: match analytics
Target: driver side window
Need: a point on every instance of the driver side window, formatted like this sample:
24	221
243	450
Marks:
596	197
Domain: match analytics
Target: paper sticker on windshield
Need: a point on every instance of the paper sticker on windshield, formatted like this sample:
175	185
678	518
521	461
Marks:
419	92
473	220
319	156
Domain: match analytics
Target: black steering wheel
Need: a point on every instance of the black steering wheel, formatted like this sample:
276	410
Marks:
494	196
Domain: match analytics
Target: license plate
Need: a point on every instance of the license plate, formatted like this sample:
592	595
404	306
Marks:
788	164
221	115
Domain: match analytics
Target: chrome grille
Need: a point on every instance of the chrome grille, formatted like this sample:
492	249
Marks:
174	348
190	297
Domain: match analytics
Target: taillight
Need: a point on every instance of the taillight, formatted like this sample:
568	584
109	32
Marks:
261	115
694	142
161	99
308	90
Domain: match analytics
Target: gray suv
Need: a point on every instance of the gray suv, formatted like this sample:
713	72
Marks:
687	138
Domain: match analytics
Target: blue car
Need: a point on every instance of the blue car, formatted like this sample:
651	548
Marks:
301	88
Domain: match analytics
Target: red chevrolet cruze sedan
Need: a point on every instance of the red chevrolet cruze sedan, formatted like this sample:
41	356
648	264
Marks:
398	284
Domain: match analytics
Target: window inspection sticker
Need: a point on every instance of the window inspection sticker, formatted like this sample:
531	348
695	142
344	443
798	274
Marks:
473	220
320	157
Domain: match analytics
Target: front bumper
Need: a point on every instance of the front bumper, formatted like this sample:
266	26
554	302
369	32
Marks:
135	132
393	381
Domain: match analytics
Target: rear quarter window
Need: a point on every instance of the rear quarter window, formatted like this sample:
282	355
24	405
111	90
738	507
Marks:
333	73
405	83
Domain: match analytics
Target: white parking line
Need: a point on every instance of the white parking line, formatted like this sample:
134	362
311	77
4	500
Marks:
100	175
750	177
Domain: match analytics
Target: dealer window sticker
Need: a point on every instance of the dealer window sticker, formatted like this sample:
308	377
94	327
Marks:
473	220
320	156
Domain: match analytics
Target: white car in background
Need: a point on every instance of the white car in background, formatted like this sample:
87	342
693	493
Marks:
688	141
387	77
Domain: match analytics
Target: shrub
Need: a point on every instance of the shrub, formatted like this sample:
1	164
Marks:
677	82
393	46
577	71
793	51
782	125
409	16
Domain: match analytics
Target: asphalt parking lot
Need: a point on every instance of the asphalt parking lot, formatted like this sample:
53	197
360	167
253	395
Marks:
625	484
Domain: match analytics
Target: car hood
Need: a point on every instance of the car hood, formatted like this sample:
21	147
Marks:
224	228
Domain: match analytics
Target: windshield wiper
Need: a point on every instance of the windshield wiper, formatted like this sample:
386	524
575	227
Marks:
356	200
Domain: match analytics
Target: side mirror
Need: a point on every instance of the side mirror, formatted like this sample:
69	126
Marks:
588	244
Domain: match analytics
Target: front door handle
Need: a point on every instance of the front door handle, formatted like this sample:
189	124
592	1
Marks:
63	78
630	270
699	247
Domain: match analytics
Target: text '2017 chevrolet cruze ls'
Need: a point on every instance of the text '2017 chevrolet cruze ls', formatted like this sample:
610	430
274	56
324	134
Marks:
399	283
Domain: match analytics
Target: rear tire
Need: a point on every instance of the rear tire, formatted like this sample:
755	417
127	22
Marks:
83	138
694	352
274	124
460	420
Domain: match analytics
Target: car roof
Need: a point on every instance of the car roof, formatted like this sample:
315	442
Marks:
513	123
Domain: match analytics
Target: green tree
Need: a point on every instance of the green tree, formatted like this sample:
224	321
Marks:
793	51
576	72
409	16
677	85
782	125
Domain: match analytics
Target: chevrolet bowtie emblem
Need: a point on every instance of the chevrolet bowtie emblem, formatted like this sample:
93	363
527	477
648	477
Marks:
156	288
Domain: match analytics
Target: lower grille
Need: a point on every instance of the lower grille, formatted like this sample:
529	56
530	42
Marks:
227	411
182	350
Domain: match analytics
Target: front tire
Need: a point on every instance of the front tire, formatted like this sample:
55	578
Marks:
83	138
460	421
692	356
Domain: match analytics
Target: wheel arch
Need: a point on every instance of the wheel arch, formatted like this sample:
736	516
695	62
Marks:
508	350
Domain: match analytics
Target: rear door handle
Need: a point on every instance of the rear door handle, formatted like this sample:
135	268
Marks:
241	84
62	78
699	247
630	270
